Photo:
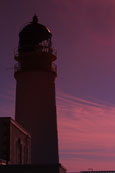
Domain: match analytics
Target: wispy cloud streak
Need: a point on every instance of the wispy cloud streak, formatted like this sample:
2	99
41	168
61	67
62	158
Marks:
86	133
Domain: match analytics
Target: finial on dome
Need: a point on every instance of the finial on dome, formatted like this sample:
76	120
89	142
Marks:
35	19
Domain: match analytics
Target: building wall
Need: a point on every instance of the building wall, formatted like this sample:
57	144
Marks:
20	145
4	139
15	143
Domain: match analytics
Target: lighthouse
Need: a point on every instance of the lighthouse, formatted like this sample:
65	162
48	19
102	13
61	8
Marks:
35	74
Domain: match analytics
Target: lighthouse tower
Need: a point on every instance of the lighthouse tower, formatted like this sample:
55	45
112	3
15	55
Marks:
35	74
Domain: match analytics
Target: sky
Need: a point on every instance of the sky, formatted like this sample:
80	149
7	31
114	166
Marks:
84	37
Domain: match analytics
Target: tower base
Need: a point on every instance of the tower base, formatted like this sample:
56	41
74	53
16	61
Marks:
33	168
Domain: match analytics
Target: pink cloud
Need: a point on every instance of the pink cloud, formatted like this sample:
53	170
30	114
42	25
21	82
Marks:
86	132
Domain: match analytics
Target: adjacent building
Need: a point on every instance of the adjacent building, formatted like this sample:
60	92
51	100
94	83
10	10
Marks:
15	143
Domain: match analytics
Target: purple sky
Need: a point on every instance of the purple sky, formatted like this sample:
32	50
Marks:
84	36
